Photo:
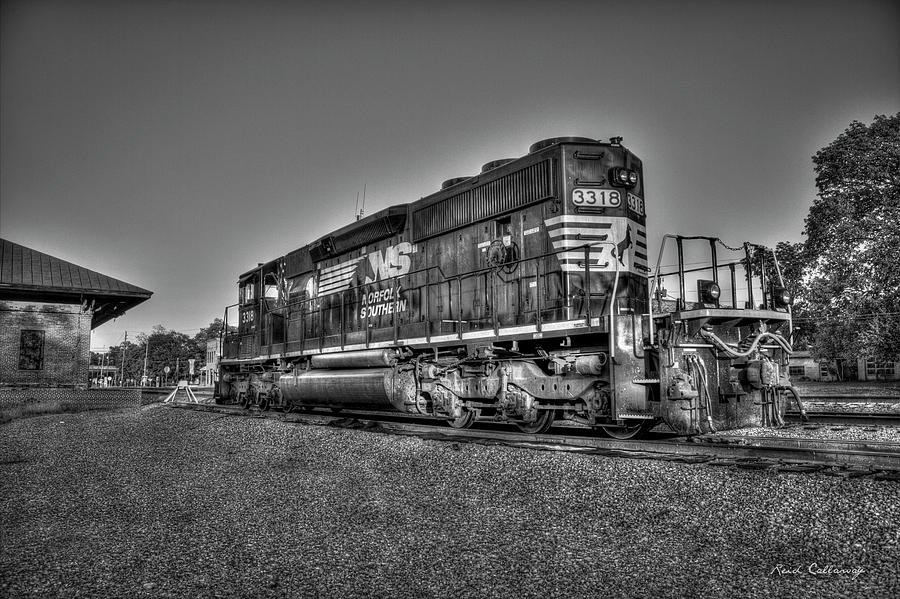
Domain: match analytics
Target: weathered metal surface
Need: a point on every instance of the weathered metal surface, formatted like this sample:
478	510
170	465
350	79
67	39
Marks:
370	388
371	358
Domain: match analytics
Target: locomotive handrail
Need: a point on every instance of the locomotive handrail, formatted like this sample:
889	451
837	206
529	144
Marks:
790	310
746	262
318	313
719	265
741	262
612	299
699	268
655	283
446	278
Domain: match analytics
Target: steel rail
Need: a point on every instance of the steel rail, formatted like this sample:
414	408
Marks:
851	398
802	453
849	418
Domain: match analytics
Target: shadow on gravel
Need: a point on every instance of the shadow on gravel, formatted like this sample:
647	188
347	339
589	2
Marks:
353	423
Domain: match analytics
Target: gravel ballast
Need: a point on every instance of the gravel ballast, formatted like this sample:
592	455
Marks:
881	434
163	502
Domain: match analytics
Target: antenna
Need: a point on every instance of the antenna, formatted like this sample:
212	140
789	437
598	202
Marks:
362	209
356	212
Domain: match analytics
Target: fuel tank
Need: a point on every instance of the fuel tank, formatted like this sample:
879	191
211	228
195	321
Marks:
368	358
369	388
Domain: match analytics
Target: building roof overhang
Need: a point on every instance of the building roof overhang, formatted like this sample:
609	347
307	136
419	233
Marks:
30	275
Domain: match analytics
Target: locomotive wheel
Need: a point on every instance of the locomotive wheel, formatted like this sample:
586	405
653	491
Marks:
541	425
264	402
226	397
464	421
276	399
632	429
252	397
242	399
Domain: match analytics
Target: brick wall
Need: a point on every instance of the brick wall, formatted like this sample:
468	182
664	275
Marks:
83	399
66	343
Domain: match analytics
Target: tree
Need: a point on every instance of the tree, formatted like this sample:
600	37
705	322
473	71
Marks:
211	332
134	360
851	282
166	348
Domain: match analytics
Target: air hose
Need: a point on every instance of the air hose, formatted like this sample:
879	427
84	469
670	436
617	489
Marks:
793	391
721	345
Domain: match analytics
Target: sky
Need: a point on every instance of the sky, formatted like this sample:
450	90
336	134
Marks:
176	144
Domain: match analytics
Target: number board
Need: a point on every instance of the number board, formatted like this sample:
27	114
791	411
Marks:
599	198
636	204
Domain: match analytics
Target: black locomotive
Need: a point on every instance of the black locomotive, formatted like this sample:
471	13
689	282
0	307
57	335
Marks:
522	294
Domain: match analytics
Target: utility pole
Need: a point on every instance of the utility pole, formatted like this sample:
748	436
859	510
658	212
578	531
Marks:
124	349
146	355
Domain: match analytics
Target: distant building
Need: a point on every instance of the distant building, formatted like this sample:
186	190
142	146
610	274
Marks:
211	369
103	373
870	370
48	308
803	367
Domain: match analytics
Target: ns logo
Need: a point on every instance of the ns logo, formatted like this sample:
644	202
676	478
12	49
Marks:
392	261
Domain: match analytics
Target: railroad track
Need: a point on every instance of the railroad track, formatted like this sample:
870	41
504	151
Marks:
852	398
848	418
841	458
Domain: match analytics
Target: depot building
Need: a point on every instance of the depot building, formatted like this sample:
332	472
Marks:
48	308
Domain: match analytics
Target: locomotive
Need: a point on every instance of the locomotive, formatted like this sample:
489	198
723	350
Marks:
524	295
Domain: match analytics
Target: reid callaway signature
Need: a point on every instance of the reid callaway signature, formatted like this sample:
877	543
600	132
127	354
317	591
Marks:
817	570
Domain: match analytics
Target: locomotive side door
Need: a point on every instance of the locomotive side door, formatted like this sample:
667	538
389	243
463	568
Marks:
533	243
273	301
503	257
446	255
474	299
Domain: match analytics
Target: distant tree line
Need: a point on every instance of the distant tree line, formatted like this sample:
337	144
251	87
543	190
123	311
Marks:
160	348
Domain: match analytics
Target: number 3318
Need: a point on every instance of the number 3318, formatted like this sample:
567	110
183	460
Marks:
602	198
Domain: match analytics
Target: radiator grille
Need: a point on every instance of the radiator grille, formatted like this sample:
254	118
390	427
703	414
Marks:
517	189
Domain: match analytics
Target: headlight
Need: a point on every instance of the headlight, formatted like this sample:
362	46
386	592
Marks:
709	291
623	177
781	297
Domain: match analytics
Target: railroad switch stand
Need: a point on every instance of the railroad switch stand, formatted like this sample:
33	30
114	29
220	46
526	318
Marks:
182	386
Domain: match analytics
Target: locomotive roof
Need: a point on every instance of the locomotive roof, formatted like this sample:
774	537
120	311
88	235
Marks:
365	227
372	228
537	152
392	220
